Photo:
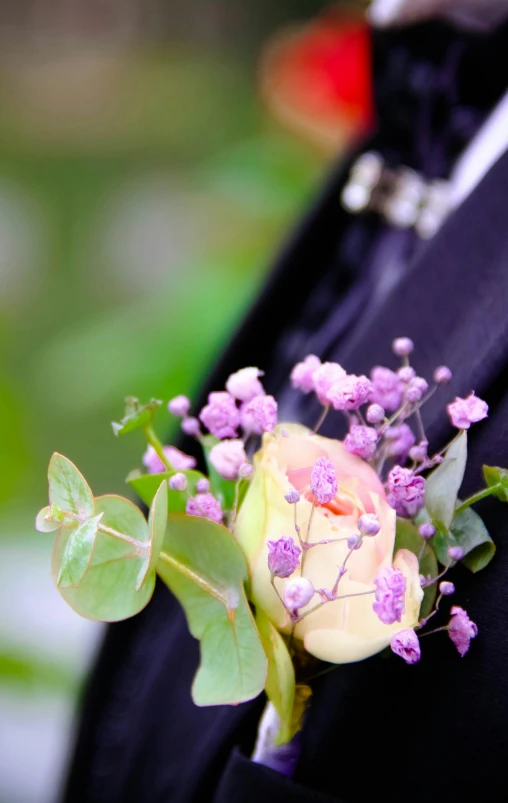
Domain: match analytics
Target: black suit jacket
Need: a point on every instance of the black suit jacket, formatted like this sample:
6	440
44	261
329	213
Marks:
438	729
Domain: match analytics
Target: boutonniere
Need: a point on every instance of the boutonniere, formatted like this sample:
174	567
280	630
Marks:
293	552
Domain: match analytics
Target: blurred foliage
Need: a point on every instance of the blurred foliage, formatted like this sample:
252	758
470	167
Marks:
141	203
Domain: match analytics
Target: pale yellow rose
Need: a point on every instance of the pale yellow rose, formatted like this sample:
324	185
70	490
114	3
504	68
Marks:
343	630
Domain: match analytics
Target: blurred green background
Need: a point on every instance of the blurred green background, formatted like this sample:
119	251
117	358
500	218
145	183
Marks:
143	194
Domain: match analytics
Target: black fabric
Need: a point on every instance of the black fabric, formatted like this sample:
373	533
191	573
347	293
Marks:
437	729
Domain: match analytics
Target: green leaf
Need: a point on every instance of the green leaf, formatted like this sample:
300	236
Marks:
44	523
444	483
78	552
205	568
68	489
156	527
280	682
147	485
469	532
136	415
407	537
496	477
107	592
223	489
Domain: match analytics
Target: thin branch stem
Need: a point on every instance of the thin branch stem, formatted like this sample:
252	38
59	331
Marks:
157	446
325	602
472	500
321	419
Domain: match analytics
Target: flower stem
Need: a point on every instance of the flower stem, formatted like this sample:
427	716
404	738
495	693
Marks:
321	419
476	498
325	602
157	446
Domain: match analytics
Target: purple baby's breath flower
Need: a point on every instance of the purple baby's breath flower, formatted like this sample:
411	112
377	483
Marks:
406	645
419	452
416	389
206	506
461	629
406	491
350	392
361	441
245	384
263	412
464	412
400	440
283	557
446	588
298	593
292	496
203	485
403	346
375	414
327	375
221	416
387	388
456	553
368	524
191	427
179	406
178	482
179	460
406	373
427	530
303	372
354	541
390	590
442	375
227	457
323	480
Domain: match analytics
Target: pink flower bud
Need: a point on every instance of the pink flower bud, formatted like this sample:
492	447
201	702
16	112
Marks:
387	388
203	486
298	593
178	482
403	346
245	471
191	427
406	491
361	441
303	372
390	595
323	480
262	410
456	553
442	375
221	415
179	406
350	392
427	530
418	453
464	412
206	506
368	524
461	629
416	389
354	542
292	496
244	384
405	644
446	588
375	414
406	373
327	375
227	457
283	557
